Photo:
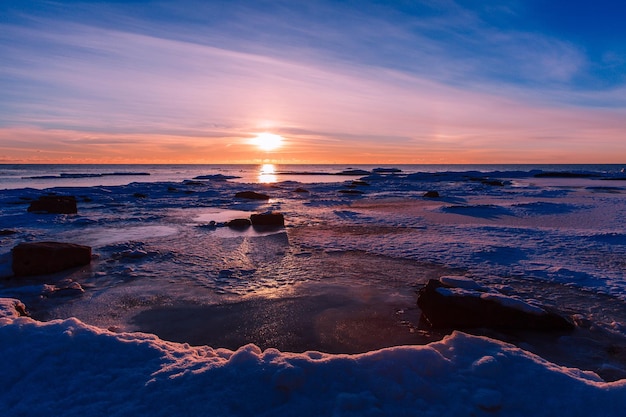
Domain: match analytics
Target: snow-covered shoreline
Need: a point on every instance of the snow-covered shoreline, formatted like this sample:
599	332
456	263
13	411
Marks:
67	368
558	240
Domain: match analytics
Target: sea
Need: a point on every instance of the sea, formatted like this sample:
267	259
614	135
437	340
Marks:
42	176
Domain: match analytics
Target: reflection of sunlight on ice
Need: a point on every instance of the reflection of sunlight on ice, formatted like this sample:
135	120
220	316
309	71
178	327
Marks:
267	174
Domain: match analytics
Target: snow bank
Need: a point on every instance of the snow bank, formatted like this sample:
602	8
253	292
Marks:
67	368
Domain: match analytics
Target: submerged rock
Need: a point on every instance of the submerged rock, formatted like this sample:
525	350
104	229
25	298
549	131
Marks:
40	258
431	194
251	195
471	306
54	204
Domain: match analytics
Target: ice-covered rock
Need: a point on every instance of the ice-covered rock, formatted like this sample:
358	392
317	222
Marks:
445	305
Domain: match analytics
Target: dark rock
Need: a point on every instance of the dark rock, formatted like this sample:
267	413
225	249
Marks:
251	195
448	307
268	219
140	195
171	189
351	171
387	170
354	192
41	258
360	183
54	204
300	190
7	232
431	194
495	183
565	175
239	223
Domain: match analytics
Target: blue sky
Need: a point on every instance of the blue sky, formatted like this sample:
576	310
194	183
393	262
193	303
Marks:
341	81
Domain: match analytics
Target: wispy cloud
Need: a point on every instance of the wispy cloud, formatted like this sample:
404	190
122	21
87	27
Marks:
338	82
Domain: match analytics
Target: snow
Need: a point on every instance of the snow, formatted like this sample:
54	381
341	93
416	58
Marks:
68	368
559	242
461	286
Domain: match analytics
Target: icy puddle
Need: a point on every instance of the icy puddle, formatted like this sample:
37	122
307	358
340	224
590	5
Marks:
102	236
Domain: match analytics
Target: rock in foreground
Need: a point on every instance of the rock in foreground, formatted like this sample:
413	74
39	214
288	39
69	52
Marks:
459	304
40	258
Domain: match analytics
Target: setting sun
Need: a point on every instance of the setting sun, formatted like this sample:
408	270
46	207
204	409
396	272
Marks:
268	141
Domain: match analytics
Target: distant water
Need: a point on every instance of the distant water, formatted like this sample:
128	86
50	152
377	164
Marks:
43	176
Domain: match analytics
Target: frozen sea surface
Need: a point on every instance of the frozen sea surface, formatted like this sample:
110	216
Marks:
341	277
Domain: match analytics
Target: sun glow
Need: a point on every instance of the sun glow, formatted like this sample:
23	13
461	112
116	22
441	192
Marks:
267	174
268	141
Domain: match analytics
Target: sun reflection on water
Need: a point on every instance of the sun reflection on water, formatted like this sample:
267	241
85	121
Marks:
267	174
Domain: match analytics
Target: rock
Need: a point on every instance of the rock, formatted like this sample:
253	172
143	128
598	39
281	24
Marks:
351	171
251	195
12	308
67	288
300	190
41	258
431	194
495	183
7	232
387	170
54	204
194	183
239	223
268	219
353	192
451	307
140	195
360	183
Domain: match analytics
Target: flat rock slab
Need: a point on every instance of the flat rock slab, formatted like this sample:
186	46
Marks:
40	258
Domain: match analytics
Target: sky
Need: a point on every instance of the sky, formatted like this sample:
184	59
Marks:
192	81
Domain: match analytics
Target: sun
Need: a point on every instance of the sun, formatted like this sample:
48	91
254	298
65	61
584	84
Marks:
268	141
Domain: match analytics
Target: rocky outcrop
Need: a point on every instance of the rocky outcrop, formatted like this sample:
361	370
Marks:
251	195
461	303
54	204
271	219
40	258
431	194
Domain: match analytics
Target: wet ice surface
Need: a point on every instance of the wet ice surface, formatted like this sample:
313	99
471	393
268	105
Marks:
342	275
